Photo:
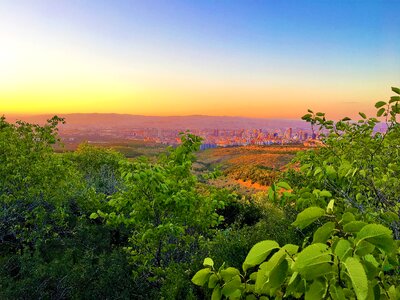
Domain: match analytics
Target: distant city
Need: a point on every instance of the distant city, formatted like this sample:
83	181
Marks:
212	138
216	131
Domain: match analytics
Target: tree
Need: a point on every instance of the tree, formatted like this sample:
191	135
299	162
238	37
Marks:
348	190
163	210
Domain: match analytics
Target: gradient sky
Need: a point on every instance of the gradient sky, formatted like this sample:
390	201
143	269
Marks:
241	58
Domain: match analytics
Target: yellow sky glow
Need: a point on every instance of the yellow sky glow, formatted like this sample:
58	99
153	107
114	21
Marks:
41	72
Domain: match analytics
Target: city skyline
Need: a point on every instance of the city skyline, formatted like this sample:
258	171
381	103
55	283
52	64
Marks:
219	58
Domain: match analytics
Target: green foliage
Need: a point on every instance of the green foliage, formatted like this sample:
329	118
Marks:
348	192
49	249
99	166
358	164
231	244
362	265
163	211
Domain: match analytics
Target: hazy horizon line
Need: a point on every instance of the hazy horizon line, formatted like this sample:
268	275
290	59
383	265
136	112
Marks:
141	115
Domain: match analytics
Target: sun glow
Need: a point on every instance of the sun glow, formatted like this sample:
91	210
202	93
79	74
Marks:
62	59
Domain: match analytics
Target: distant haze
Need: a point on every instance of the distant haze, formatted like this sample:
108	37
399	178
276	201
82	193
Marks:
82	121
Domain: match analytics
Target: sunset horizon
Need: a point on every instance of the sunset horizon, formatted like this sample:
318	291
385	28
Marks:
263	60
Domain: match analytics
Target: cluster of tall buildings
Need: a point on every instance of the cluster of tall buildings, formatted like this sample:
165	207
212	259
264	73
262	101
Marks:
211	137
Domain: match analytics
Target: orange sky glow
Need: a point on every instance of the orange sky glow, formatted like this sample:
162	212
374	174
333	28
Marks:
63	65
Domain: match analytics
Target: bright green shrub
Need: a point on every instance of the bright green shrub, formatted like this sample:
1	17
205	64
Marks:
347	258
348	191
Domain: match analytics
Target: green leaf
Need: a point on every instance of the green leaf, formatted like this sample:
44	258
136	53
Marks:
347	217
216	294
346	119
357	276
278	274
336	292
230	287
380	104
317	171
329	208
343	249
276	259
308	216
378	235
291	249
394	99
201	277
393	293
261	278
316	291
396	90
322	234
258	253
364	116
229	273
284	185
93	216
212	281
325	193
313	261
380	112
364	248
354	226
371	266
306	117
208	262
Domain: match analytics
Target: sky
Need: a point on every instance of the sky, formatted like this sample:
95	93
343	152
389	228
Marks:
272	59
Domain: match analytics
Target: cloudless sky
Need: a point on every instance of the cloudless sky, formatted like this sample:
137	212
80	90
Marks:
243	58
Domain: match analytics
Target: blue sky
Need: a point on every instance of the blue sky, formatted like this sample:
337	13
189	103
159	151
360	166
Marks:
201	57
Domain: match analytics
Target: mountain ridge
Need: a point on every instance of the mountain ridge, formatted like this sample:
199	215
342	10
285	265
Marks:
115	120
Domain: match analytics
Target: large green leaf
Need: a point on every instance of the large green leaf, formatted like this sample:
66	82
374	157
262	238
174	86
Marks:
201	277
276	268
343	249
278	274
261	278
322	234
313	261
357	276
347	217
364	248
308	216
378	235
212	281
230	287
258	253
228	273
316	291
216	294
354	226
276	259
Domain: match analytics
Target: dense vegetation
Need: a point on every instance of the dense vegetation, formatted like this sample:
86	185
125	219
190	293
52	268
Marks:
348	195
92	224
